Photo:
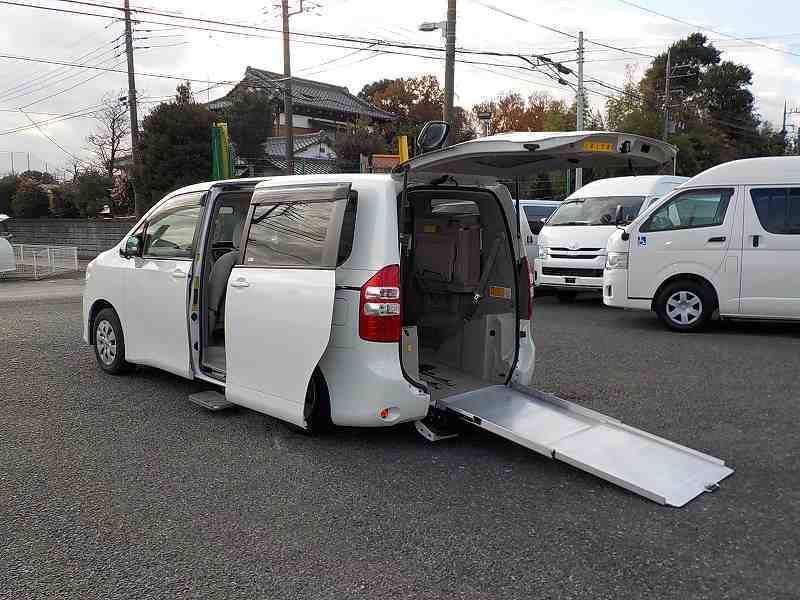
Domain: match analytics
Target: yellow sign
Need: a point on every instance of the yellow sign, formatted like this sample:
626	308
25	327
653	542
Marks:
402	147
496	291
598	147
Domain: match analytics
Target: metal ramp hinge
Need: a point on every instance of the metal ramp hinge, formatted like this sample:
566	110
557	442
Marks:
434	428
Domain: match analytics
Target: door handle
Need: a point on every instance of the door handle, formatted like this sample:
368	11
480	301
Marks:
717	240
178	274
241	282
756	240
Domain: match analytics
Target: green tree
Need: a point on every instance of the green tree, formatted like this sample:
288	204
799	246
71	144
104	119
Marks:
87	194
38	177
249	119
175	146
31	201
8	187
355	141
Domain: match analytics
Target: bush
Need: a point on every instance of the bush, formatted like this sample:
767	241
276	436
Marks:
31	200
8	187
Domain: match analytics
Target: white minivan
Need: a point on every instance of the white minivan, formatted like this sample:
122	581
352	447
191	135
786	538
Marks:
373	300
8	263
572	243
727	240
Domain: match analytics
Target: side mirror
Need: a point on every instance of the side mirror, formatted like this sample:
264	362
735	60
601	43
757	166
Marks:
619	216
433	136
536	226
132	247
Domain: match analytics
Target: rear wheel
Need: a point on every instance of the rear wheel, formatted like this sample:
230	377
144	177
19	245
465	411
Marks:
109	343
317	410
566	296
685	306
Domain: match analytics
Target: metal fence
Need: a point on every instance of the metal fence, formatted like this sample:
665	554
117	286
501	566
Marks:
37	261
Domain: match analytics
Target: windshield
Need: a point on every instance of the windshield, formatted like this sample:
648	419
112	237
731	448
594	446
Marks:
596	211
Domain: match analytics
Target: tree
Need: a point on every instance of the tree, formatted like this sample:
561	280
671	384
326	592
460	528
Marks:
38	177
30	201
537	112
249	120
415	100
107	143
87	194
8	187
175	148
355	141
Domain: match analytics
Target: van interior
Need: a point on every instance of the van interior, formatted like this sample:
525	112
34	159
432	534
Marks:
459	291
221	252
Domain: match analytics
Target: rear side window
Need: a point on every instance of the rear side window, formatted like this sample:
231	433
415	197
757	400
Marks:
690	210
348	229
170	231
778	209
293	234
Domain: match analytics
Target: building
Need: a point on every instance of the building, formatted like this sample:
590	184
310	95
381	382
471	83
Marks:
313	153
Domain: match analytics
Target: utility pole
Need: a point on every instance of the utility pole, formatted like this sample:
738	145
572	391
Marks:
29	161
138	200
787	112
581	99
12	163
449	67
287	90
667	74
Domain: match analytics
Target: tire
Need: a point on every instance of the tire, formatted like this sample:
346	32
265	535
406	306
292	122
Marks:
566	296
685	306
109	342
317	409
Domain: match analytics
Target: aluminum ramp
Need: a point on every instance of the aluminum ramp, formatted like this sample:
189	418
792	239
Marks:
645	464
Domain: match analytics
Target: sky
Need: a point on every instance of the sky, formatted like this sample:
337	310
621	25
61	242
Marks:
44	91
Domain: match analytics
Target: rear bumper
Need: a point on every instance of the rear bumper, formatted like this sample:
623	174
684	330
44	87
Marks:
615	291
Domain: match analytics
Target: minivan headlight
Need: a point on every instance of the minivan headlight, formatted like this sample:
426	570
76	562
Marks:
542	251
617	260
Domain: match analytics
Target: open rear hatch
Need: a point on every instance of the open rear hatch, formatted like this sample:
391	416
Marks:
653	467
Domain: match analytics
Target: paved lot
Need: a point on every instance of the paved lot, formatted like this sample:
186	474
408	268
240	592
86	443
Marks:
120	488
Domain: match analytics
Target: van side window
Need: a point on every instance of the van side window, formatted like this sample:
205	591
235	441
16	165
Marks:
170	231
290	234
348	229
778	209
690	210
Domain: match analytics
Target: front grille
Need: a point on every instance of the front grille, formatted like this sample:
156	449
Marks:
575	249
564	272
574	255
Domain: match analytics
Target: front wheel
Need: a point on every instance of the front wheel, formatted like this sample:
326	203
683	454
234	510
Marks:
685	306
109	343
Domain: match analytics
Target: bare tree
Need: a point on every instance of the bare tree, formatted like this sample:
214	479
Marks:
110	138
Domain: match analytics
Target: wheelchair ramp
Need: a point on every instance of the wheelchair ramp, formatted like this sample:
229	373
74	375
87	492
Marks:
645	464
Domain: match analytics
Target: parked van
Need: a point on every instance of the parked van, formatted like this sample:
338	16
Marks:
372	300
534	214
572	244
727	240
8	262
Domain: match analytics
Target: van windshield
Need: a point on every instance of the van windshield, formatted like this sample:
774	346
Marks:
596	211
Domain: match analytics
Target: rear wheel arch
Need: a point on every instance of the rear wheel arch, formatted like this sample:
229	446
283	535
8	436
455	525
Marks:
686	277
318	416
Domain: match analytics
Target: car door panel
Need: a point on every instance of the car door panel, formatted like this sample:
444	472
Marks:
280	297
771	260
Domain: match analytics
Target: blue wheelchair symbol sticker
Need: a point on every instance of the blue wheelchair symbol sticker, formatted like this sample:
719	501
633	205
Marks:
643	240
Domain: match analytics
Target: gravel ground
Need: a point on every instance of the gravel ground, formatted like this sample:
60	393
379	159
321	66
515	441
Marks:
118	487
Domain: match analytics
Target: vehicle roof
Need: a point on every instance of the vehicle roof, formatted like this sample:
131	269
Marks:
537	202
640	185
751	171
288	179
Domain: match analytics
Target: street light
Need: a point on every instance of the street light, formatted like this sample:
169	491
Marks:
433	26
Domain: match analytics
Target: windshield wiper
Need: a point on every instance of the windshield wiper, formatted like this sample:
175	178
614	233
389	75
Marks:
569	223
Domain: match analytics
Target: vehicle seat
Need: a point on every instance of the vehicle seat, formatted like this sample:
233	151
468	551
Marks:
218	283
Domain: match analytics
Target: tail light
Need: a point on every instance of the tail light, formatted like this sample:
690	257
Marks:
527	268
379	306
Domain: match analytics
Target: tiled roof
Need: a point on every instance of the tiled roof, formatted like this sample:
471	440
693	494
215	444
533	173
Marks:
313	94
277	145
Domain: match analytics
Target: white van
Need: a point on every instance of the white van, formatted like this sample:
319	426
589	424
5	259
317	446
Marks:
534	214
8	263
572	244
359	300
726	240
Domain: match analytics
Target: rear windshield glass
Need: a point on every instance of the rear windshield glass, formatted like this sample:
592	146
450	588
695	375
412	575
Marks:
596	211
534	213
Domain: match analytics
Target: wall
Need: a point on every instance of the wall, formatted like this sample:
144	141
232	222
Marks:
91	236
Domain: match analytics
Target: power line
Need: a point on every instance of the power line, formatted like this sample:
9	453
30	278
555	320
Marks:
55	143
701	27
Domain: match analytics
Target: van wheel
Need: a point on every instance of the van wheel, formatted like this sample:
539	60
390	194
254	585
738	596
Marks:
317	409
566	296
109	343
685	306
